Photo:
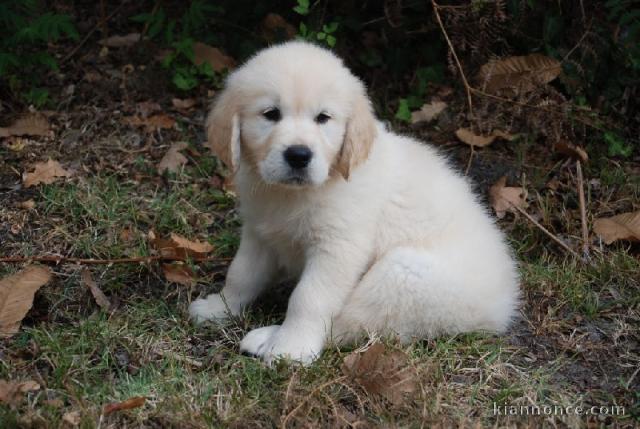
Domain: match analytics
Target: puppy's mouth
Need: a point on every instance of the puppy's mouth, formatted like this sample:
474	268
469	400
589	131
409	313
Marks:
296	179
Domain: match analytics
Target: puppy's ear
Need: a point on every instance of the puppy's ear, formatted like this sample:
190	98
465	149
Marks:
223	129
359	136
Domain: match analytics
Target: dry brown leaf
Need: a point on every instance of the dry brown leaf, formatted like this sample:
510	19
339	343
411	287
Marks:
44	172
101	299
625	226
569	149
276	28
214	56
381	372
120	41
72	417
428	112
178	273
146	108
183	104
27	205
31	124
127	234
178	247
466	136
151	123
12	392
16	296
506	198
522	74
135	402
173	160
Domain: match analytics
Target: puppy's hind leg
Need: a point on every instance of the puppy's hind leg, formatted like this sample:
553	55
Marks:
419	293
251	270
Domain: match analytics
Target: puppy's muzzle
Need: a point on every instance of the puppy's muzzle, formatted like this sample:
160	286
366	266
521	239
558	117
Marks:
298	156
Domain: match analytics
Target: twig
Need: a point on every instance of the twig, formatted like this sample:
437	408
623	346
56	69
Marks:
57	259
90	33
546	231
586	32
467	87
466	170
583	209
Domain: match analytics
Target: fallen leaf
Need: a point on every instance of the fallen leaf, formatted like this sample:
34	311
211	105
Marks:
173	159
183	104
178	273
151	123
72	418
466	136
381	372
178	247
92	76
428	112
505	198
12	392
569	149
54	403
16	296
276	28
127	235
120	41
146	108
27	205
135	402
522	74
31	124
17	144
45	172
625	226
101	299
215	57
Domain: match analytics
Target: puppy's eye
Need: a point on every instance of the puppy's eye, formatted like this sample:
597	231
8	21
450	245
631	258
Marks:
322	118
272	114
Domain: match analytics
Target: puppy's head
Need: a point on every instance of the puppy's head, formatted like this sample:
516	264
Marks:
294	114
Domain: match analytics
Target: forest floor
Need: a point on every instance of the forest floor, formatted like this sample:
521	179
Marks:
577	343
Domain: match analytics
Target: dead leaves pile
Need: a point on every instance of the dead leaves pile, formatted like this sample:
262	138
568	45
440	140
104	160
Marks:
382	372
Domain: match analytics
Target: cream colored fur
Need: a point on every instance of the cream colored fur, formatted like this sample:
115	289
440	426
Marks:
383	237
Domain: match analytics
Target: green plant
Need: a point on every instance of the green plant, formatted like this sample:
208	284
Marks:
616	146
180	35
416	98
326	34
25	30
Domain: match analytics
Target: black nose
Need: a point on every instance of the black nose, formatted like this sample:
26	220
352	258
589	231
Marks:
298	156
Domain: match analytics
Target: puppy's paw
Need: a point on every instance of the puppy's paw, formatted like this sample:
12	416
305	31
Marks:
255	342
272	343
211	308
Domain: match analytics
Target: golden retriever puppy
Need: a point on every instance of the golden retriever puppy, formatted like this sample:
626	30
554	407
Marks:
380	233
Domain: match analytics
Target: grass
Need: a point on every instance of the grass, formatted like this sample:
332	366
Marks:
578	324
576	343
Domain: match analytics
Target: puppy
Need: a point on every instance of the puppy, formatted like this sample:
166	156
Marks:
378	230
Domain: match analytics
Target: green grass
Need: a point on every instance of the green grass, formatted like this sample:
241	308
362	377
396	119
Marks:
194	377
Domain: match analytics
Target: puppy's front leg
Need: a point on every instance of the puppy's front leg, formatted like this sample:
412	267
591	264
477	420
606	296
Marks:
251	270
328	278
